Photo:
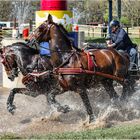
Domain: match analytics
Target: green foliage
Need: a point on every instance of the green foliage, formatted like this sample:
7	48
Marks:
106	15
136	41
125	20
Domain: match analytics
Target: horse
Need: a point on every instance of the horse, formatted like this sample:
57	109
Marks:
15	58
77	70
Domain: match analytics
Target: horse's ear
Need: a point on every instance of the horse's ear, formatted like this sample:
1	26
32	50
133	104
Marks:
50	19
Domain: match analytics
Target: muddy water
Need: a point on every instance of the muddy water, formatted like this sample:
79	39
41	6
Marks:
34	116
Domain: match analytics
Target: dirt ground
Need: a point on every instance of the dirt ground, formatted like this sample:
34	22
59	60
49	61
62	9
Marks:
33	116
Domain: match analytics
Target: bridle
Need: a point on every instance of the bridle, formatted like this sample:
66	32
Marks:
34	37
9	61
46	29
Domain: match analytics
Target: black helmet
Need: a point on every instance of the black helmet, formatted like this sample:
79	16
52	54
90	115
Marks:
114	23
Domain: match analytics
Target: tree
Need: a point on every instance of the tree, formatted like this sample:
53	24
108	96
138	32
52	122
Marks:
125	21
89	10
5	8
131	10
24	10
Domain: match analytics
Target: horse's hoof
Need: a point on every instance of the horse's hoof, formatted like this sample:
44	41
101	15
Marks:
92	118
63	109
11	108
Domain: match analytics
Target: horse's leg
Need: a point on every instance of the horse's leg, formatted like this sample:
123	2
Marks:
128	88
124	91
10	99
132	83
85	99
52	101
108	85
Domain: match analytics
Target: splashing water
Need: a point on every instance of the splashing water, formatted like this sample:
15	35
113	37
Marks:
120	111
33	115
103	108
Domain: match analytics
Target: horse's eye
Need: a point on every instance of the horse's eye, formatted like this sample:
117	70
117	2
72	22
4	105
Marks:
41	27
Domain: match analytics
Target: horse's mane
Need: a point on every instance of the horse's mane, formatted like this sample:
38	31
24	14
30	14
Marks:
63	29
26	47
66	34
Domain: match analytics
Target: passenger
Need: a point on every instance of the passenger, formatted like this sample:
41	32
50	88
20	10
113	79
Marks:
121	41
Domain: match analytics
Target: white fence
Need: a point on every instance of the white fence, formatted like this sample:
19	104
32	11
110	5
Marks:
90	31
95	31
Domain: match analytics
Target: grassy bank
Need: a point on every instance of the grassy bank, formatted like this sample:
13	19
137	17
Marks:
137	41
123	132
102	40
127	132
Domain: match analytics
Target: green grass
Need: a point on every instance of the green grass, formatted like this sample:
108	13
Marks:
127	132
95	40
9	136
136	40
119	132
102	40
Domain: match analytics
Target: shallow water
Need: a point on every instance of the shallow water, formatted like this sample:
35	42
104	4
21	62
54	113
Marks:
34	116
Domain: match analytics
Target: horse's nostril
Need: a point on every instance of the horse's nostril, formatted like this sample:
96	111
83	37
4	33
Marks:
11	78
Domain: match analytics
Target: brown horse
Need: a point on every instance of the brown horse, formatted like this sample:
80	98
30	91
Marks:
77	70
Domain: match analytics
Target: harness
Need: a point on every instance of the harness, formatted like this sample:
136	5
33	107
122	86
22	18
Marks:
91	68
8	61
60	70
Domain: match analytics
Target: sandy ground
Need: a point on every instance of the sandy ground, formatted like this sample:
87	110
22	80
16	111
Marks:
33	116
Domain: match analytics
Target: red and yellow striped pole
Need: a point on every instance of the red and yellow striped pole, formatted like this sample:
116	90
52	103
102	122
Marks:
58	9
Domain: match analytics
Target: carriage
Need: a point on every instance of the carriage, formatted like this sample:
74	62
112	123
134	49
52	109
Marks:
134	73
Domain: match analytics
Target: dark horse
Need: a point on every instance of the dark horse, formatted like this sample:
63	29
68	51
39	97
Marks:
75	69
16	58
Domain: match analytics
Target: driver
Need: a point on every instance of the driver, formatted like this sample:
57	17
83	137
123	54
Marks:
121	41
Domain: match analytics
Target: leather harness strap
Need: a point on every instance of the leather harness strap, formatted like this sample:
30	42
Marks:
91	61
71	71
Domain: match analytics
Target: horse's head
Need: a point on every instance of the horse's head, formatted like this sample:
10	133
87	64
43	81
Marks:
50	30
56	35
8	60
42	32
